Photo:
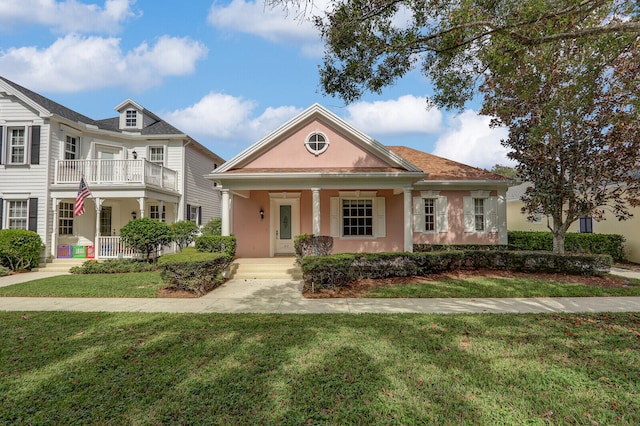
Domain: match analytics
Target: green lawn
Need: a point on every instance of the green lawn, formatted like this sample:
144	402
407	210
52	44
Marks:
501	287
134	284
149	369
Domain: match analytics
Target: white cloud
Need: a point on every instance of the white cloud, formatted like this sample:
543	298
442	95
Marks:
227	117
75	63
470	140
67	16
277	25
407	114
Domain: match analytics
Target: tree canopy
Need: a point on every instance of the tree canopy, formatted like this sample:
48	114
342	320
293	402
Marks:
563	75
370	44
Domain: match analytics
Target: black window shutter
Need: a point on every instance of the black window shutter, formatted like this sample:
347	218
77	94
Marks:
1	206
200	215
33	214
1	135
188	211
35	144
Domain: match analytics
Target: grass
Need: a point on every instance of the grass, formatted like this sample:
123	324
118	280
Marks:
134	284
147	369
501	287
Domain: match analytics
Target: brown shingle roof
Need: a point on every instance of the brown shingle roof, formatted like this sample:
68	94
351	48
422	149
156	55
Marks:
440	168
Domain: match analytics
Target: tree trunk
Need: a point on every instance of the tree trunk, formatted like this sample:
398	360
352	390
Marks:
558	241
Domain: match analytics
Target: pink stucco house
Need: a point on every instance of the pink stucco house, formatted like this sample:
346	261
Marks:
319	175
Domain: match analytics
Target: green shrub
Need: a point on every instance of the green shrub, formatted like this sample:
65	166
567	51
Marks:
146	236
216	244
426	248
437	262
184	233
213	227
312	245
198	273
333	271
4	271
611	244
20	249
113	266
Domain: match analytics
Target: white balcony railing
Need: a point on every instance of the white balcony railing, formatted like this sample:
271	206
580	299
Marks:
115	172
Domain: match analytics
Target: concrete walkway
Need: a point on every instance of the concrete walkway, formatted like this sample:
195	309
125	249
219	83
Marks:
284	296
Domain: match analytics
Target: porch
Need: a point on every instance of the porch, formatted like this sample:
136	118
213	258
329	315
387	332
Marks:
97	172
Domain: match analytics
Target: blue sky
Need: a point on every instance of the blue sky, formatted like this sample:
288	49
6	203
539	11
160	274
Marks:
225	72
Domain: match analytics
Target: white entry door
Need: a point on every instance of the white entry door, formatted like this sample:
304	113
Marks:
285	225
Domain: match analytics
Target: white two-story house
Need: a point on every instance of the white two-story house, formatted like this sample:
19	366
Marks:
135	165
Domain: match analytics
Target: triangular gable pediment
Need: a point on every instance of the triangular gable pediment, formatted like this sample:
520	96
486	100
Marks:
348	149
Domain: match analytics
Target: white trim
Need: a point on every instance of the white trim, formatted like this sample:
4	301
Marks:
284	195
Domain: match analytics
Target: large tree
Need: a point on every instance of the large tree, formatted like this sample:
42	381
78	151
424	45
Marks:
562	75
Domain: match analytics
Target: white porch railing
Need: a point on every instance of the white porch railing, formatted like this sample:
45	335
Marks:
112	248
115	171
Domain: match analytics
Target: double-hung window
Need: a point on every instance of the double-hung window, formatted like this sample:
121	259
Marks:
71	148
430	213
18	214
358	214
65	219
17	145
480	212
131	118
357	217
156	214
156	154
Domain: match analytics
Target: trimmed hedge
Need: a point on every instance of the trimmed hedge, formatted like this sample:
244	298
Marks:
216	244
312	245
20	249
113	266
338	270
198	273
4	271
611	244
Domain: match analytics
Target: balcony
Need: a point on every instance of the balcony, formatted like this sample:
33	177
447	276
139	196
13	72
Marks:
116	172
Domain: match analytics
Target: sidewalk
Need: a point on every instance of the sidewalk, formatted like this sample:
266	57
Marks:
285	296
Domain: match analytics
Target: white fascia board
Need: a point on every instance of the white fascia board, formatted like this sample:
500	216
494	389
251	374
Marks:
464	184
317	180
134	104
7	88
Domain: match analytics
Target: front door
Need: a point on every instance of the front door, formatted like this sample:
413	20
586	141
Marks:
285	225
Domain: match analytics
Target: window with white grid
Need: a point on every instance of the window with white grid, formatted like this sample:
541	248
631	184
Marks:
357	217
65	219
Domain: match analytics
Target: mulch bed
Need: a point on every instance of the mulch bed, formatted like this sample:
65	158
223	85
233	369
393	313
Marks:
360	287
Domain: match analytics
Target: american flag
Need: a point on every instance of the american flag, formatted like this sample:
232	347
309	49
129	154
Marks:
83	192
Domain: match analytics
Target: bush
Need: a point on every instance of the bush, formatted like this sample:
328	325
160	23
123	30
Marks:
20	249
146	235
4	271
312	245
216	244
198	273
611	244
184	233
213	227
113	266
426	248
339	270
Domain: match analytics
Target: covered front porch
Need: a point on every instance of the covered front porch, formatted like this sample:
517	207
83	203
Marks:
96	233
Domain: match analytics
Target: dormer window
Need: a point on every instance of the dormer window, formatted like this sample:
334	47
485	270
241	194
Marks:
131	118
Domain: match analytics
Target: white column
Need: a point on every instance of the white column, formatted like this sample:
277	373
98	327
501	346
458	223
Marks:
141	202
316	211
161	209
55	204
226	213
97	249
503	238
408	228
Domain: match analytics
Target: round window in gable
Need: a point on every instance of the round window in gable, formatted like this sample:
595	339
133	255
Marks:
317	143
